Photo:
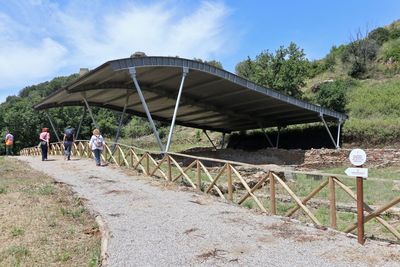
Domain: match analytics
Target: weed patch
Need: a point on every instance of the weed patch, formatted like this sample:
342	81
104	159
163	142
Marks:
16	231
63	256
74	212
46	190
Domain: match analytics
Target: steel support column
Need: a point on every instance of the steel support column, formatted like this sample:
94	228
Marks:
338	134
266	136
171	129
327	129
90	112
223	140
80	123
52	126
277	136
209	139
119	125
132	72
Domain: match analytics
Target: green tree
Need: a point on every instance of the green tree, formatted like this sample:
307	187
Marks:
245	68
212	62
359	55
285	70
25	123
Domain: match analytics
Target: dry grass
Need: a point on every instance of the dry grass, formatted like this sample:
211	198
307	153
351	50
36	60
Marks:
41	223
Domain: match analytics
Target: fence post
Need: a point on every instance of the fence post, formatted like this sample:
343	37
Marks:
169	168
131	153
332	201
119	154
360	211
147	164
230	187
198	175
272	193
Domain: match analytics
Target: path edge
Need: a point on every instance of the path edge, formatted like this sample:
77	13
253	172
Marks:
105	237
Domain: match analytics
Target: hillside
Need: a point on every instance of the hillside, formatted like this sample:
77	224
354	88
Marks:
362	79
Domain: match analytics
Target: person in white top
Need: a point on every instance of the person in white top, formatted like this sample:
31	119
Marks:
97	143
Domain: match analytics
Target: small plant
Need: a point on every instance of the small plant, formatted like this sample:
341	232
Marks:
95	257
198	136
74	213
46	190
18	252
248	204
3	190
16	231
63	256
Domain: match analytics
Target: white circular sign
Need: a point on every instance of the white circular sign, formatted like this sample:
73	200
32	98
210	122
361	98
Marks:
358	157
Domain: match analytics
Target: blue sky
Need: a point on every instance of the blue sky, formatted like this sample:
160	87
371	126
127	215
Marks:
42	39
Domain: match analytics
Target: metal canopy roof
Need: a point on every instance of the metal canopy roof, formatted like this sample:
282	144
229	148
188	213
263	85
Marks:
212	98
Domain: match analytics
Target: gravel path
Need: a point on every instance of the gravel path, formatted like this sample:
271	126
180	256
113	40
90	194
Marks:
153	223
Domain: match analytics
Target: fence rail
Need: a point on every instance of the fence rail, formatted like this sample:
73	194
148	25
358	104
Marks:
227	181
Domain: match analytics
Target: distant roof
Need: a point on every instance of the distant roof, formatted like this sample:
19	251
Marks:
212	98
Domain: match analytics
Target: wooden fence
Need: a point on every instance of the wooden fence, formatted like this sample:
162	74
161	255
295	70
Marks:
226	180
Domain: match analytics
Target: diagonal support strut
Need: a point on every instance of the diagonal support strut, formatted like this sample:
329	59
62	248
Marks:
132	72
171	129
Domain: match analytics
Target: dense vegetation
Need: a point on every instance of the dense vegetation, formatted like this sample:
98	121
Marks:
360	78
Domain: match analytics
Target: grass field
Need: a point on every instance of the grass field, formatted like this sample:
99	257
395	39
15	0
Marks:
41	222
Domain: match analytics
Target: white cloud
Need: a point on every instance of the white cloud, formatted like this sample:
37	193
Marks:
79	34
155	29
22	62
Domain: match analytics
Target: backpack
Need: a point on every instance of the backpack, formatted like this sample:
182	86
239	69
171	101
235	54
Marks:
98	142
69	133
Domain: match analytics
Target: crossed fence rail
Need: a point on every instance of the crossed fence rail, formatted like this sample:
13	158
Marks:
226	181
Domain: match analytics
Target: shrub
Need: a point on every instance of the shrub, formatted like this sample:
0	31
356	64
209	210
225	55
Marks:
391	51
379	35
333	95
395	33
137	127
358	55
376	131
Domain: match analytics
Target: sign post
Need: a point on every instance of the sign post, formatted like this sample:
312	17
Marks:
358	157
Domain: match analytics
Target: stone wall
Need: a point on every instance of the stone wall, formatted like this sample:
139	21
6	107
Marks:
314	158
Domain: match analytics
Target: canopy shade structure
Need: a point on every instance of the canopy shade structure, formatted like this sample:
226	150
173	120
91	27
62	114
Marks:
209	98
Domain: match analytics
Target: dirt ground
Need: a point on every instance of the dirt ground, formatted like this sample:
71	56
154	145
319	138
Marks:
41	222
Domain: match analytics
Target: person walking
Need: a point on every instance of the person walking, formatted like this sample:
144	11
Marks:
44	142
97	143
9	143
68	141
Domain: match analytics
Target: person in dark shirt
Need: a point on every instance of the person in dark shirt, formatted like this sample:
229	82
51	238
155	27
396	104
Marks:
68	141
